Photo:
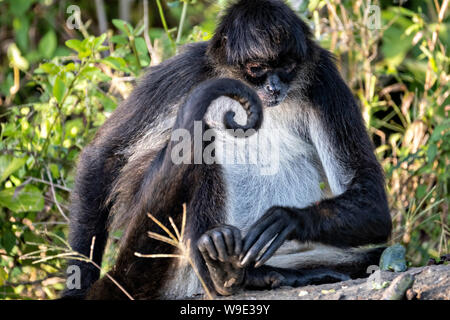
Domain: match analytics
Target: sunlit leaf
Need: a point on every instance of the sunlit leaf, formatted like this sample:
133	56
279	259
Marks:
74	44
10	164
3	276
26	199
50	68
59	89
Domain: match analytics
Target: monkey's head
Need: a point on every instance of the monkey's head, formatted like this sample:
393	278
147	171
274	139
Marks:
263	43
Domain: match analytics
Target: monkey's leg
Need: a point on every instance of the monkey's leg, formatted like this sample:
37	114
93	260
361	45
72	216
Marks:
266	277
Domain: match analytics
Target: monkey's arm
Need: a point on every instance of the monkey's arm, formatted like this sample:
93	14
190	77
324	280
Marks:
358	214
221	247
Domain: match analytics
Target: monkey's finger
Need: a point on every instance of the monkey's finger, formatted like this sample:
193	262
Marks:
255	232
228	235
207	248
276	243
237	241
264	239
219	243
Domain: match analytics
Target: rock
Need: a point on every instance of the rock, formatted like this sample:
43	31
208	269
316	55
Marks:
398	288
393	258
430	283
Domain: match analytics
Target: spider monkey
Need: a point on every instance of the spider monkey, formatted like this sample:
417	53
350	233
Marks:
302	223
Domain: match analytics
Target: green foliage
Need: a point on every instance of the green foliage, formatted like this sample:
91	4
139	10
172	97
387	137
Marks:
57	86
42	139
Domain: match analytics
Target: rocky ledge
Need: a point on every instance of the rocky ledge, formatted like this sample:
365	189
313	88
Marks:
424	283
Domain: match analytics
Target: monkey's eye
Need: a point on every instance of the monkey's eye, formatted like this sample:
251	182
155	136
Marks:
255	70
290	66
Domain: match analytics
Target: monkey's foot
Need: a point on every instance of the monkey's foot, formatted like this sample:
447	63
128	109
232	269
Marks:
220	248
267	277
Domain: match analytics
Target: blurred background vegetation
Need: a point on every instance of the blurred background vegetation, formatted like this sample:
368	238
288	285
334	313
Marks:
58	84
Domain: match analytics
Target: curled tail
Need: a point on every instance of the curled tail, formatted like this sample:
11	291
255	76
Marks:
197	103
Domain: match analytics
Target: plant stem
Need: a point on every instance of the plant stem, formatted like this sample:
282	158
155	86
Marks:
133	46
163	19
183	18
146	35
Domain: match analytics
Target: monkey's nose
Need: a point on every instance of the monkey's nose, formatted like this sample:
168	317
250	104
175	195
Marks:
272	90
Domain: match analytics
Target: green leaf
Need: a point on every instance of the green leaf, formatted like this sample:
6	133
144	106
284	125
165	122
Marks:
55	170
9	164
123	26
21	31
19	7
139	30
432	152
47	45
102	48
107	103
141	46
59	89
85	53
8	240
74	44
440	131
26	199
50	68
421	191
116	63
3	276
70	67
74	127
89	72
99	41
120	39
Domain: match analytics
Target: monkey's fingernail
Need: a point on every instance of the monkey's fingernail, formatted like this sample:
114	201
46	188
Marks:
244	261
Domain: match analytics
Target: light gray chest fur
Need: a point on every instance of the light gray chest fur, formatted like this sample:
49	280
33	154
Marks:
273	167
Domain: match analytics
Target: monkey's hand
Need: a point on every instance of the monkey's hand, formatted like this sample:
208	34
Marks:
276	224
220	248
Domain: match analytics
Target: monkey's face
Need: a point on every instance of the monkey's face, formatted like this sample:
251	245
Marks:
271	80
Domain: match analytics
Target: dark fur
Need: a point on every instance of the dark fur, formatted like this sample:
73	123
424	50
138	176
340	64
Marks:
250	30
101	162
195	185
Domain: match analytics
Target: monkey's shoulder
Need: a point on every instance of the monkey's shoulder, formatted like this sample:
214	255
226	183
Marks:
157	92
180	73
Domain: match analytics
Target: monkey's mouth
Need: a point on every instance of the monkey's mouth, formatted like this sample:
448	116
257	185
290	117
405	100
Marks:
270	101
273	103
